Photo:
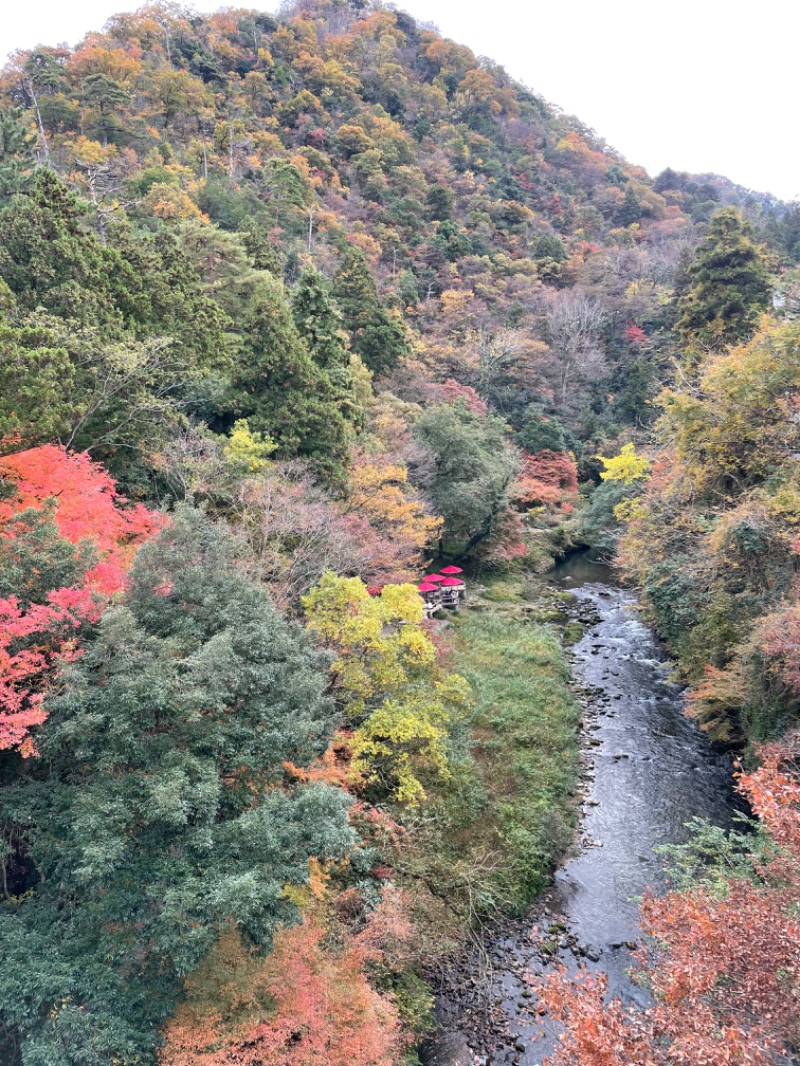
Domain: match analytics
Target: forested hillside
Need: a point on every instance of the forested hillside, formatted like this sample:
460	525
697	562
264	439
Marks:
466	226
290	306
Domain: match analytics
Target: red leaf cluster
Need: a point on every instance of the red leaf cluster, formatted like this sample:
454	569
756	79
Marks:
635	334
452	391
86	507
548	479
30	641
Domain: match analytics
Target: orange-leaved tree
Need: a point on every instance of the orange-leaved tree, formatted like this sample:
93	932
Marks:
724	965
308	1003
380	493
87	507
548	479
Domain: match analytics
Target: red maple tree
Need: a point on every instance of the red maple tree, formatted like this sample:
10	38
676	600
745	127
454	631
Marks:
87	507
549	479
80	497
635	334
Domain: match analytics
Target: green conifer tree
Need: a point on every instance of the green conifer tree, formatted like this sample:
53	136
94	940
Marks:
377	336
728	285
279	388
36	380
50	259
47	258
320	325
630	210
16	151
259	247
318	322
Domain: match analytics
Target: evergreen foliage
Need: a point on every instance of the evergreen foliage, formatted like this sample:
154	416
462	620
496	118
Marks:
48	259
278	387
159	815
539	434
16	151
319	323
475	470
375	334
728	285
36	376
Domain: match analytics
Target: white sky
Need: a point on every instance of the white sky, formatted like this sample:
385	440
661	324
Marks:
698	85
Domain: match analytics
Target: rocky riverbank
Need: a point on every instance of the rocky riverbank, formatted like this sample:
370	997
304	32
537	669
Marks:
645	771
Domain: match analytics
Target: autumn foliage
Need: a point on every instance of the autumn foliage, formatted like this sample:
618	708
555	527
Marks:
380	494
50	485
711	533
88	508
389	682
548	479
778	637
724	966
309	1003
30	642
324	274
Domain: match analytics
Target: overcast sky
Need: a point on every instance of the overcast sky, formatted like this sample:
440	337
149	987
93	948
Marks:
689	84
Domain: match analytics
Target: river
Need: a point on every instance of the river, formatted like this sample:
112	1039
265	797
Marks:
647	771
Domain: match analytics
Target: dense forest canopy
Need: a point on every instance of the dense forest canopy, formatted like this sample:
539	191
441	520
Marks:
289	306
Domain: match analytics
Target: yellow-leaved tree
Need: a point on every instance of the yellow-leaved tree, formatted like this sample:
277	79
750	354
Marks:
379	490
388	683
248	451
626	467
630	470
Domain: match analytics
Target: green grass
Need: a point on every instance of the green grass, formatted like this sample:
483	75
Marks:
486	841
508	589
524	730
488	838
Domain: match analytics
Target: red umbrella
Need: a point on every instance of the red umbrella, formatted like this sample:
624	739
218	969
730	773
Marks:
433	577
450	570
427	587
450	582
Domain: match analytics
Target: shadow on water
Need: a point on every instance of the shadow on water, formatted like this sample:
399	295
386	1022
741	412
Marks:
583	568
648	771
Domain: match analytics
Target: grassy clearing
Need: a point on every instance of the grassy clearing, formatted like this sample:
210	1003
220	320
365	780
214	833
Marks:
487	840
505	590
525	748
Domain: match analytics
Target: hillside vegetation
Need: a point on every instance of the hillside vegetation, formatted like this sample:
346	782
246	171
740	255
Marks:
291	306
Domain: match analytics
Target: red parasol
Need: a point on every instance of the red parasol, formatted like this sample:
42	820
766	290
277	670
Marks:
427	587
449	582
450	570
433	577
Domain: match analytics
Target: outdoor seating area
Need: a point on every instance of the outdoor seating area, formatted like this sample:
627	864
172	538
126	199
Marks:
444	589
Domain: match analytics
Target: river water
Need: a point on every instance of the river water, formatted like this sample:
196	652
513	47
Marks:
647	771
